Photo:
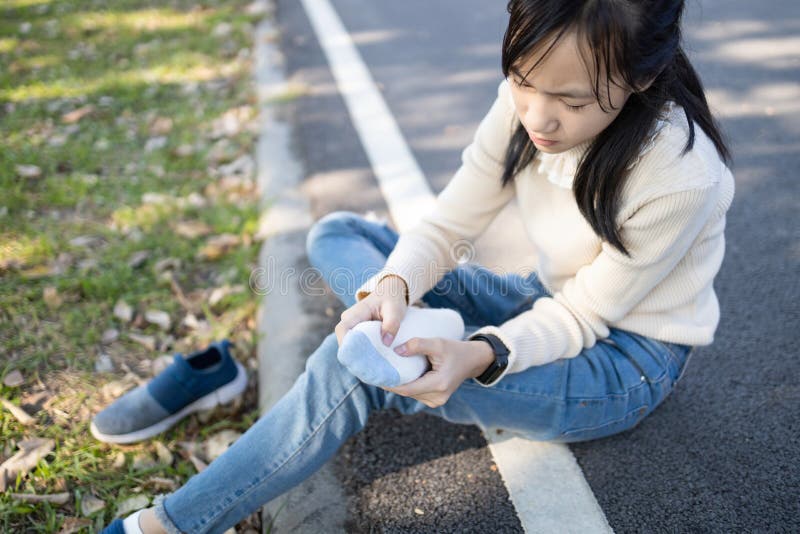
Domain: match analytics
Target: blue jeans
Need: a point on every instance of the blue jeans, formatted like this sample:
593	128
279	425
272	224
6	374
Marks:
604	390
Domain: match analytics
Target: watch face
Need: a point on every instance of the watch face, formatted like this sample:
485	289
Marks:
494	370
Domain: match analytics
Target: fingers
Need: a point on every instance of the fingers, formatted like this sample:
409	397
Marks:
357	313
392	313
431	388
420	345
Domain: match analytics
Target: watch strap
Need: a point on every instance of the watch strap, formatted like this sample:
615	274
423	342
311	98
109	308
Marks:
500	362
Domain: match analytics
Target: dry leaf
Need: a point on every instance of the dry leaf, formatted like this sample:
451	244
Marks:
84	241
91	504
161	126
184	151
155	198
14	379
31	451
28	171
109	336
243	165
19	414
222	29
77	114
103	364
137	259
57	140
54	498
218	245
162	483
220	293
167	264
191	229
258	8
132	504
143	461
159	364
155	143
148	342
232	122
39	271
218	443
233	187
164	455
52	298
198	464
73	524
119	460
123	311
117	387
223	150
159	318
199	326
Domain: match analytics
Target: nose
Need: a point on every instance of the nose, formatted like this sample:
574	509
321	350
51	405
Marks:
540	117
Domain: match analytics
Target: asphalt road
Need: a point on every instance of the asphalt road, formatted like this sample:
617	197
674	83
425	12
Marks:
721	454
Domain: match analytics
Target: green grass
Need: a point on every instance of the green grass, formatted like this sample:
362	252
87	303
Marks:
134	63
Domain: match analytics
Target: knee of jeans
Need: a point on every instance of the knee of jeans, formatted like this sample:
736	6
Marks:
325	360
338	223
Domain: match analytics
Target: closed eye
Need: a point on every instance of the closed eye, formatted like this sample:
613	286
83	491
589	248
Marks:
575	108
520	82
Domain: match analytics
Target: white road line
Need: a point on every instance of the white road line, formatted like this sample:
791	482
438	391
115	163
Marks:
546	485
544	480
401	181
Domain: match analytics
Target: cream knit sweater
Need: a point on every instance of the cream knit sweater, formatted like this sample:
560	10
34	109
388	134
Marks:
671	220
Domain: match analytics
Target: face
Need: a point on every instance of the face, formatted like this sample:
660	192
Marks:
555	102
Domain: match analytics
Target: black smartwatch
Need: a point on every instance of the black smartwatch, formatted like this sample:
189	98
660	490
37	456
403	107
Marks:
500	362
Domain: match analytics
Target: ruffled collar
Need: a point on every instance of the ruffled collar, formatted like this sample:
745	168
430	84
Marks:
560	169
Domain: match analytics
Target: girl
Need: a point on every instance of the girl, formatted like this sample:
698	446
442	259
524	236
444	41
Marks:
603	135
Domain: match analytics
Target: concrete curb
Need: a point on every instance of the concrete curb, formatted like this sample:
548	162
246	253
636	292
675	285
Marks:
317	504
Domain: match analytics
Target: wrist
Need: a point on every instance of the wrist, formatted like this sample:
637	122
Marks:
393	285
484	357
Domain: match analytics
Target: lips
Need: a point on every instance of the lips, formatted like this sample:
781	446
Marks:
540	141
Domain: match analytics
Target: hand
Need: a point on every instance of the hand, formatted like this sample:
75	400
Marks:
387	303
452	362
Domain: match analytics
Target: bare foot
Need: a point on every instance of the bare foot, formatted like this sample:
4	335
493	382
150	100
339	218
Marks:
149	523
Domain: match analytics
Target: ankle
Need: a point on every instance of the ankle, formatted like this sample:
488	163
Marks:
149	523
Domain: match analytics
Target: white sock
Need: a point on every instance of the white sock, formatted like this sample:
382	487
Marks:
365	355
131	523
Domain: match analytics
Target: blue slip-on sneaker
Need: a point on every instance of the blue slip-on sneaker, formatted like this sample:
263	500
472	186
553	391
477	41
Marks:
199	381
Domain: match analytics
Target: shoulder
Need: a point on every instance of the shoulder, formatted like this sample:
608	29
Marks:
504	105
497	126
663	170
663	167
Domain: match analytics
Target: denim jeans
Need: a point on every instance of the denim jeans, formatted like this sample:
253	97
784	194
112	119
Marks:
604	390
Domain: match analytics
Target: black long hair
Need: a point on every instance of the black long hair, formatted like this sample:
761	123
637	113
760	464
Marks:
640	42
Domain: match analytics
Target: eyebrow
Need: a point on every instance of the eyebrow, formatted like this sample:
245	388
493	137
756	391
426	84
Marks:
569	94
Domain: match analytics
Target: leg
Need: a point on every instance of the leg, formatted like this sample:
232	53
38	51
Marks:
324	407
606	389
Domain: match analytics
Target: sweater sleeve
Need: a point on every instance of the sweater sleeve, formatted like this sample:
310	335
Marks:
657	236
462	211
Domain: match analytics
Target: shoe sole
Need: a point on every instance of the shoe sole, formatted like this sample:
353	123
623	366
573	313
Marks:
221	395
